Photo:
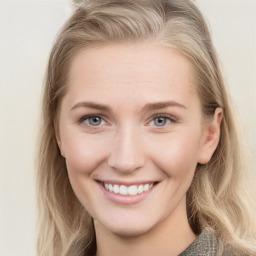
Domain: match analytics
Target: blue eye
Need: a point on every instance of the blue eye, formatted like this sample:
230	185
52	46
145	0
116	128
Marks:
94	120
161	121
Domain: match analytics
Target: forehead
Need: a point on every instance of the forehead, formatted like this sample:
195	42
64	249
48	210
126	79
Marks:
141	68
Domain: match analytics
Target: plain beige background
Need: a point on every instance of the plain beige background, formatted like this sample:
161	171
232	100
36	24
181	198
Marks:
27	31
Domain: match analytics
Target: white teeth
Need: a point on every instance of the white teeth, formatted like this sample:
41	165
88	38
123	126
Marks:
133	190
116	189
146	187
140	189
125	190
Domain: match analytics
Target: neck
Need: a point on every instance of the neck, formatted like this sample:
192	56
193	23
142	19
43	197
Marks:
170	237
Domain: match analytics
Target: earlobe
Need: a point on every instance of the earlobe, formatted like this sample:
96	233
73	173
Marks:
211	137
57	135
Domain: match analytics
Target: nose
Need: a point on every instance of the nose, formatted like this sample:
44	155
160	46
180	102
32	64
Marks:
127	154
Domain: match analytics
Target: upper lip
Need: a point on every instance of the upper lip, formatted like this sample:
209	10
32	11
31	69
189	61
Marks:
127	183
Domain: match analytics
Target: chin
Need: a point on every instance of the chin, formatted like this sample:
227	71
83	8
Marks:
131	232
129	229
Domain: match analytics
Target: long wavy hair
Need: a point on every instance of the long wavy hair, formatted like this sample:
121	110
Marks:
219	198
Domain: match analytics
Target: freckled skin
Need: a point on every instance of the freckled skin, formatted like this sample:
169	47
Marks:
127	145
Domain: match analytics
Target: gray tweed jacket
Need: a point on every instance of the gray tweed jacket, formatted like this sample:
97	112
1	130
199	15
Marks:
206	244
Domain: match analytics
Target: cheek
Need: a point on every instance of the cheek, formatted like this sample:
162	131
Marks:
83	152
83	155
178	154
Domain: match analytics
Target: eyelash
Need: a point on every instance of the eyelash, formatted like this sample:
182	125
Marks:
85	118
170	118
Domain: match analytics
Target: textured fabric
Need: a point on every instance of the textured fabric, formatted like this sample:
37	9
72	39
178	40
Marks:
206	244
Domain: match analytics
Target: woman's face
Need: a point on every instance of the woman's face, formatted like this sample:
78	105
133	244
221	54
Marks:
131	130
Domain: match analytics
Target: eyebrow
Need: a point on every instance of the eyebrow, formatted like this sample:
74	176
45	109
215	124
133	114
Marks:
90	104
162	104
147	107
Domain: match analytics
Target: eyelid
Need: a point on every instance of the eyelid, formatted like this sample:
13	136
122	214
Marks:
173	119
86	117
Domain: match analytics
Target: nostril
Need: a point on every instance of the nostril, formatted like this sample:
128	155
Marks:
124	165
126	155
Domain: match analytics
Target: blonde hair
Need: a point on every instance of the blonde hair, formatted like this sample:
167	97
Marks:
219	197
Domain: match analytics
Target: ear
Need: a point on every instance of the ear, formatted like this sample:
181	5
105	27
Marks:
211	136
57	135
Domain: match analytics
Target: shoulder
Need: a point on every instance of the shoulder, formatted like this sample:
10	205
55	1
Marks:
205	244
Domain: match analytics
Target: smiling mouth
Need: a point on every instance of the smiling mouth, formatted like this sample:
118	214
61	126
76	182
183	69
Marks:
132	190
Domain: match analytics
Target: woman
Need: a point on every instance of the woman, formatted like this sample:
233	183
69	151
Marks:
140	153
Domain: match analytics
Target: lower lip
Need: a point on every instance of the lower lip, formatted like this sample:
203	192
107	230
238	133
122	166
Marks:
125	199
